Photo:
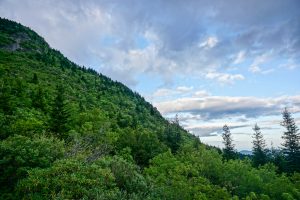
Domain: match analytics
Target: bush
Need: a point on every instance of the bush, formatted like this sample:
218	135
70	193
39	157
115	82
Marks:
20	153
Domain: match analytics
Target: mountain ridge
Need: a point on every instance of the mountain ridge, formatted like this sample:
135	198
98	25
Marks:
21	44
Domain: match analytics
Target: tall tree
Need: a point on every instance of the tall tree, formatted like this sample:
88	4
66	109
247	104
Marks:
59	114
291	144
38	98
259	147
35	79
277	158
172	135
228	151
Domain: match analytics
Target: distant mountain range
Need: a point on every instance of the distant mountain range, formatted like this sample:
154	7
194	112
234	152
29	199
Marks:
246	152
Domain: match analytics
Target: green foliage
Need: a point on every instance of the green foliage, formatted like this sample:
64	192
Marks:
181	180
173	174
128	177
172	136
27	122
107	178
59	114
19	154
5	40
68	179
144	145
240	178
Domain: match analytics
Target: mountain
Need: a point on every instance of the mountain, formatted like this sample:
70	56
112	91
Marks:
31	74
246	152
69	132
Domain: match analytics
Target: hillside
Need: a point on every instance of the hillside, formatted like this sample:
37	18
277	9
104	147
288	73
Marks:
69	132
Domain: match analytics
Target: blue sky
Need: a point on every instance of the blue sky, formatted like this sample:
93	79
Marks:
212	62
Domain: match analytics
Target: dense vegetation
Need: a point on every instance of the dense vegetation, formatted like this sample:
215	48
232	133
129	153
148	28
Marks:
68	132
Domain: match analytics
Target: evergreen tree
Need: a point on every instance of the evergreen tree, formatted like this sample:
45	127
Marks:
35	79
59	114
228	151
277	158
38	98
172	135
6	100
259	147
291	145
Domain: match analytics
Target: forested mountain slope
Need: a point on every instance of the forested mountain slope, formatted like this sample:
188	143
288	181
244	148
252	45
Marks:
68	132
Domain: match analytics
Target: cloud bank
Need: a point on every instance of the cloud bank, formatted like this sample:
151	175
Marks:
165	38
217	107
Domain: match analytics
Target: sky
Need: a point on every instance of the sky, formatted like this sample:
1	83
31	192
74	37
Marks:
211	62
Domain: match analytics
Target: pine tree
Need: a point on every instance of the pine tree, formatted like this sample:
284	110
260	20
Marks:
172	135
228	151
277	158
177	135
38	98
259	147
35	79
291	145
6	100
59	115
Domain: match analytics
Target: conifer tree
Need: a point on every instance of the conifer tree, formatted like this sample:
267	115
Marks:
172	134
35	79
259	147
277	158
59	114
291	144
228	151
6	100
38	98
177	135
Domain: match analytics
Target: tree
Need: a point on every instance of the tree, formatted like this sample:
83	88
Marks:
38	98
276	157
6	98
173	136
19	154
144	145
291	145
59	114
35	79
177	177
228	151
259	147
68	179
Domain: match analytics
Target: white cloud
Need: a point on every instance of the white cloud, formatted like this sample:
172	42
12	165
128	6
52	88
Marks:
268	71
180	43
184	88
210	42
168	92
224	78
201	93
162	92
290	64
213	128
255	67
205	130
240	57
215	107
